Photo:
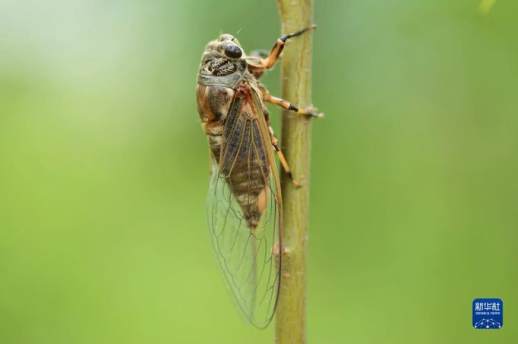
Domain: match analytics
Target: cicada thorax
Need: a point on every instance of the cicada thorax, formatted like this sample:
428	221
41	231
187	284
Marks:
213	105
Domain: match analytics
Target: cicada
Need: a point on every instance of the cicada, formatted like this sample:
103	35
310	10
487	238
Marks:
244	201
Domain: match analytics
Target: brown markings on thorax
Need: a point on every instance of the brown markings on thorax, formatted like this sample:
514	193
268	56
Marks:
244	90
248	107
213	106
213	103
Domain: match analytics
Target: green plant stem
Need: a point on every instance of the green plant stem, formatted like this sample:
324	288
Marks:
296	142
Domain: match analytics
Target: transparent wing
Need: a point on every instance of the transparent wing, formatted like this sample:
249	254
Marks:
244	216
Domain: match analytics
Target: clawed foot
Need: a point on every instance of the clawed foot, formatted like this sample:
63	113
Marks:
311	112
284	38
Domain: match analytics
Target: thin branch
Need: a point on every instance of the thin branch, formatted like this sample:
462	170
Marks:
296	142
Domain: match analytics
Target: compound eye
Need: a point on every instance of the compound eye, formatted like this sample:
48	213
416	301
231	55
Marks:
233	51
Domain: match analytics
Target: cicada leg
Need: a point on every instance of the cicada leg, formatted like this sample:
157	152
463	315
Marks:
259	65
282	159
286	105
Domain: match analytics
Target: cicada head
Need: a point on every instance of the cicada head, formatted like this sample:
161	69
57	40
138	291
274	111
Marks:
223	56
225	45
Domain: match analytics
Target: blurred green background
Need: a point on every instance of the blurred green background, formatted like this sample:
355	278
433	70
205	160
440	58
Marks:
103	171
